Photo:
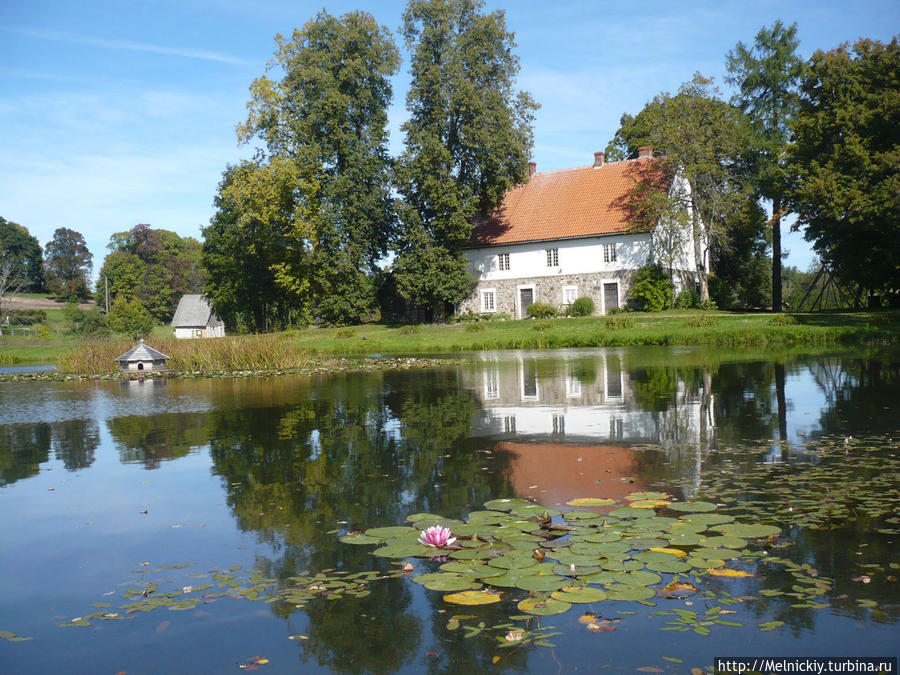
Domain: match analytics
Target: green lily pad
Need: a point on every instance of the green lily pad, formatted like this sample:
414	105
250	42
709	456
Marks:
591	501
602	537
644	544
637	578
631	512
425	523
692	507
404	550
543	606
685	538
640	496
542	582
724	542
628	593
533	510
707	518
360	539
578	516
506	505
704	563
447	582
468	569
566	570
389	532
746	530
513	561
670	566
583	594
486	518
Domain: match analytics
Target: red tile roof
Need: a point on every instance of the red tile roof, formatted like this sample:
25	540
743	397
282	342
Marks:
565	204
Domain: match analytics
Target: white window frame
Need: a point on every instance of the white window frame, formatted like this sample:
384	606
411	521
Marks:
492	383
503	262
552	257
485	293
574	290
609	253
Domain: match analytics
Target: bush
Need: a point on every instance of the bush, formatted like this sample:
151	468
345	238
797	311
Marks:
687	299
583	306
43	332
541	310
345	332
702	321
783	320
474	327
722	293
541	326
411	329
619	322
708	305
652	289
25	317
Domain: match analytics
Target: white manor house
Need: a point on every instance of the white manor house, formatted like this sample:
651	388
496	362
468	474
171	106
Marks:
566	234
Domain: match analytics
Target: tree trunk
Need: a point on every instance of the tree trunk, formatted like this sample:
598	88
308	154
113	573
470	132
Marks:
776	254
697	226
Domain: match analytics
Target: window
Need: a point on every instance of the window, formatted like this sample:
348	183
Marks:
504	262
488	303
196	332
570	293
492	383
552	257
609	253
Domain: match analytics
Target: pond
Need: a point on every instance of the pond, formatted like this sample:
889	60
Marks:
218	525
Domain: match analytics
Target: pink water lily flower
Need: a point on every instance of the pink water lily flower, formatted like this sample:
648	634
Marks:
436	536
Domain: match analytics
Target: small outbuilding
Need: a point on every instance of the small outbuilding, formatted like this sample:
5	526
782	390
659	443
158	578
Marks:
143	358
194	318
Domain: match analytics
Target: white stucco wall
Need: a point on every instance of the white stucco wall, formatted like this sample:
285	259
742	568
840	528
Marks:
576	256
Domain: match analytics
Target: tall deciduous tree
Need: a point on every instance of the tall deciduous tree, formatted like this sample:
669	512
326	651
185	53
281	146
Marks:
67	264
846	161
328	115
468	141
767	76
23	251
698	137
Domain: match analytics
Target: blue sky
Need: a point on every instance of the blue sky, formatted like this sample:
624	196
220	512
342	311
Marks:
119	112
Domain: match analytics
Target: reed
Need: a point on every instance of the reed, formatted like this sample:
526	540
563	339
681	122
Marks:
246	352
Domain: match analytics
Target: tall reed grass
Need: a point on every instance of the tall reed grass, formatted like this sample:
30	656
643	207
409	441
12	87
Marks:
248	352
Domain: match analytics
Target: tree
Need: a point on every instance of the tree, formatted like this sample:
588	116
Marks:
845	160
131	318
10	283
24	251
699	138
468	141
767	76
328	115
67	264
741	260
154	265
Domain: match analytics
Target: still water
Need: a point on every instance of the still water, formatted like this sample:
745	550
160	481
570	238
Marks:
208	497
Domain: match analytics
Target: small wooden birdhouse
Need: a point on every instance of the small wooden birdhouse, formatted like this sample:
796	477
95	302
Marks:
143	358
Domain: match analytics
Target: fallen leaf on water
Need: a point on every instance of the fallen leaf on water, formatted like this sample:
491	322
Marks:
496	659
649	669
670	551
587	618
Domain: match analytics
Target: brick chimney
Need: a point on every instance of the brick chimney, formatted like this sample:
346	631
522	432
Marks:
532	169
599	159
645	152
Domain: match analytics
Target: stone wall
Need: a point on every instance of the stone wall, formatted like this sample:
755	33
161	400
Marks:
548	289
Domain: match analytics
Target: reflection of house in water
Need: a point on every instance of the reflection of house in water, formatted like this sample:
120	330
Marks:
588	397
570	422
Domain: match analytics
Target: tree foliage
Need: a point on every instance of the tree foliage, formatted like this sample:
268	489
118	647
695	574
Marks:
153	265
131	318
23	251
67	264
741	260
652	289
467	141
767	76
845	160
327	115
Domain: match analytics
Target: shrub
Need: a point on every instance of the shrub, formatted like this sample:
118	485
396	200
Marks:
708	305
411	329
541	310
474	327
619	322
616	310
25	317
783	320
541	326
722	293
687	299
651	288
43	332
583	306
702	321
345	332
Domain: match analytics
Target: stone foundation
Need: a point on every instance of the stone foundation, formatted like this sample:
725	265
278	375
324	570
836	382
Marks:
548	290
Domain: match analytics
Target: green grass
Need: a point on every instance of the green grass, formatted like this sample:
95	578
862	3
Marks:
286	350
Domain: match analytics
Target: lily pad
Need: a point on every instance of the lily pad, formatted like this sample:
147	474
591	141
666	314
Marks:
389	532
638	578
591	501
671	566
640	496
543	606
707	518
577	516
579	594
513	561
360	539
631	512
692	507
746	530
541	582
404	550
649	503
472	598
629	593
506	505
446	582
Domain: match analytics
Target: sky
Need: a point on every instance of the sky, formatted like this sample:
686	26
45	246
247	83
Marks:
119	112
